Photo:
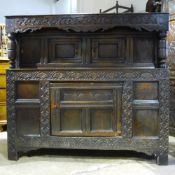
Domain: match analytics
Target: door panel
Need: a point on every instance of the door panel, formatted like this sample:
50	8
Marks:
86	109
105	50
67	50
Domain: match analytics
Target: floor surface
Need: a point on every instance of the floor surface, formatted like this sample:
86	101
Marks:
83	165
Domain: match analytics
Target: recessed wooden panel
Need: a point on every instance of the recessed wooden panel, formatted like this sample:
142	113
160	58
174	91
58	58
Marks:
144	50
146	90
2	95
27	90
86	95
65	51
111	50
146	122
30	52
28	120
108	50
101	120
71	120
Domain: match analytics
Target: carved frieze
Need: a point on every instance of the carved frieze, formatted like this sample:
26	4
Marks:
90	75
85	23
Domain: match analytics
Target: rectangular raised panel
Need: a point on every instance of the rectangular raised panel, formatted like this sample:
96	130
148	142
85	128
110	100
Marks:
146	91
66	50
28	121
144	50
71	120
86	109
146	122
108	50
102	120
111	50
27	90
30	52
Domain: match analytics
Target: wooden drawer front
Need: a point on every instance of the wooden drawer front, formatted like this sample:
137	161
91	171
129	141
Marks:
86	109
3	112
30	51
109	50
4	67
2	81
65	51
2	95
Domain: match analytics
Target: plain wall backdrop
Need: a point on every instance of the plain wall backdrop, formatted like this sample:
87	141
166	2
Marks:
40	7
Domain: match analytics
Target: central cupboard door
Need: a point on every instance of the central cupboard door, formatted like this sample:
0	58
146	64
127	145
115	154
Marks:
86	109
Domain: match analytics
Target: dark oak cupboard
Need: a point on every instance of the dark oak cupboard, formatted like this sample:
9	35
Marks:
88	82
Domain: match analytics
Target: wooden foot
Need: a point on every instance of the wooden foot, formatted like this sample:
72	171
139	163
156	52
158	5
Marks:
13	156
162	159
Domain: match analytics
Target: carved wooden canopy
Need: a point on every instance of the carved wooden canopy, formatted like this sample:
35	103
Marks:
88	22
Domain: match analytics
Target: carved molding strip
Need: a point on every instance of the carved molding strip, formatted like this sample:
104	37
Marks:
147	146
127	100
164	95
11	127
92	75
45	110
85	23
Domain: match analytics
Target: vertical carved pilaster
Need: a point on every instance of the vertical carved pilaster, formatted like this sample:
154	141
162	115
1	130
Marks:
162	158
127	100
45	108
162	56
11	50
11	124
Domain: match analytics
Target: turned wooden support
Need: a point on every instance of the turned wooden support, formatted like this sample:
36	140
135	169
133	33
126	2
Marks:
11	50
162	52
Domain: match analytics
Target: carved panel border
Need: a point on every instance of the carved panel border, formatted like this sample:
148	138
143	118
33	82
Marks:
127	100
11	125
44	108
164	94
89	22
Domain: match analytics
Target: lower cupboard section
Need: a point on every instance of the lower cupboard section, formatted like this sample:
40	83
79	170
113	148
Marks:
88	109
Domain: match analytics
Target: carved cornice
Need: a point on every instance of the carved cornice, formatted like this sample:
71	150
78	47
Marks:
88	22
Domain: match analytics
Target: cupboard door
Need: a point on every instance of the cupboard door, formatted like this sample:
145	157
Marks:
86	109
65	50
108	50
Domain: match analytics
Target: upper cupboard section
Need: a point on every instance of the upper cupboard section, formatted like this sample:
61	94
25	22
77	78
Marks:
69	49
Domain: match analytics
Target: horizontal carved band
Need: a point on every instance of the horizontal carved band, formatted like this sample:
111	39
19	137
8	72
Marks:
92	75
149	146
91	22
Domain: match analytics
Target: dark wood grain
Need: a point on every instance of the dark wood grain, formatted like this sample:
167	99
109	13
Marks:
88	82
